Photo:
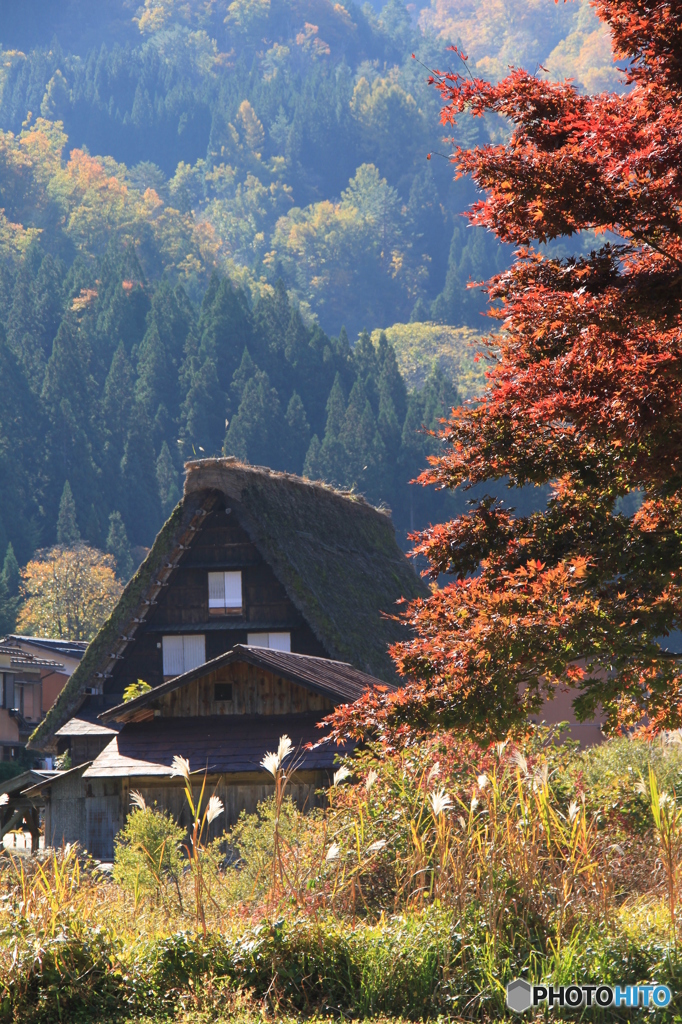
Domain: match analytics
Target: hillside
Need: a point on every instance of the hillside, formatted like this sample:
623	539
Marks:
457	353
293	134
565	40
203	206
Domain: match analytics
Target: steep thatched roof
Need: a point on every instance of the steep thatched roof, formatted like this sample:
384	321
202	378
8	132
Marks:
335	555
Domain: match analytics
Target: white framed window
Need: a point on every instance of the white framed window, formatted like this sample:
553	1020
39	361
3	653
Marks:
224	593
183	653
275	641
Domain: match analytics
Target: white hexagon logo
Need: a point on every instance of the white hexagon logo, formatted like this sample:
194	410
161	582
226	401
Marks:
519	996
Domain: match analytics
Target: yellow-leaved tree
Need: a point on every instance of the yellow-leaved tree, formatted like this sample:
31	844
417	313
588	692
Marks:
67	592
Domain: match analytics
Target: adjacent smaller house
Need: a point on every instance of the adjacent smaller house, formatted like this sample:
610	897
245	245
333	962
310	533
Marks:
67	652
29	685
222	716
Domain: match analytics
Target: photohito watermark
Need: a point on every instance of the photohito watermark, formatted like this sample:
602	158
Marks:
522	996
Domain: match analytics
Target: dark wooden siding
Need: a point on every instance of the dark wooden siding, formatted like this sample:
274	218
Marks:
254	692
92	811
220	543
85	748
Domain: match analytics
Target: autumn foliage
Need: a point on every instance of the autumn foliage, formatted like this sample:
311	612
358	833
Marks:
68	592
583	394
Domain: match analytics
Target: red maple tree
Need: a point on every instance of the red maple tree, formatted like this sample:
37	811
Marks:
584	393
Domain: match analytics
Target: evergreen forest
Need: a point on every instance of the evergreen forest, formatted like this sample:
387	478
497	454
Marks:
211	217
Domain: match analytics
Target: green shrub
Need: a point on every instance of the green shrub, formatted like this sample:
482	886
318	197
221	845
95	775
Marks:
251	846
147	855
609	773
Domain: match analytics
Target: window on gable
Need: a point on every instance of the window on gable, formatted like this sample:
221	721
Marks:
224	593
183	653
222	691
275	641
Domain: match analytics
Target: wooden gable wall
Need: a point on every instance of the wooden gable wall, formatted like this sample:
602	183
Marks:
221	543
255	691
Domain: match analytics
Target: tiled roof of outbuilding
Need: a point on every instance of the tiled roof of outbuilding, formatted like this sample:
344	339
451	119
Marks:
218	744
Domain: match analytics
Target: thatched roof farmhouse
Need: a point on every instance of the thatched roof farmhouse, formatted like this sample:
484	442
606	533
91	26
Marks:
265	600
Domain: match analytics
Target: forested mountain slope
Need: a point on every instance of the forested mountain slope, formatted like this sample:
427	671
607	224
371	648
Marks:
295	132
203	205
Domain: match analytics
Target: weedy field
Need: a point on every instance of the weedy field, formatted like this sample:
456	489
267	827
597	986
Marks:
433	876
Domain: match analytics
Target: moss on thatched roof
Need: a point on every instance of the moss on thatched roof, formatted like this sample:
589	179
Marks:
336	556
95	660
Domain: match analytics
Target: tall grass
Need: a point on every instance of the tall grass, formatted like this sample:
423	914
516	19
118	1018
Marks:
432	877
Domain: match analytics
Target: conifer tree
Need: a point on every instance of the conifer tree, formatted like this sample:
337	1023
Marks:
22	327
71	430
224	329
366	364
296	341
390	377
173	315
21	436
392	399
68	533
9	592
244	372
271	321
10	572
425	409
118	545
156	377
167	478
8	617
256	434
365	453
343	345
203	410
121	311
298	433
48	302
138	477
313	468
157	383
118	396
332	457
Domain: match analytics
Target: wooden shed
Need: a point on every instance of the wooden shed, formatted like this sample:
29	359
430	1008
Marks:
223	717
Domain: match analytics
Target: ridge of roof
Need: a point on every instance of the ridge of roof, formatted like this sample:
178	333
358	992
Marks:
20	657
75	648
335	679
334	553
214	473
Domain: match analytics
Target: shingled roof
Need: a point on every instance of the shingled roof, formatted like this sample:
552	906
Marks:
335	555
217	744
